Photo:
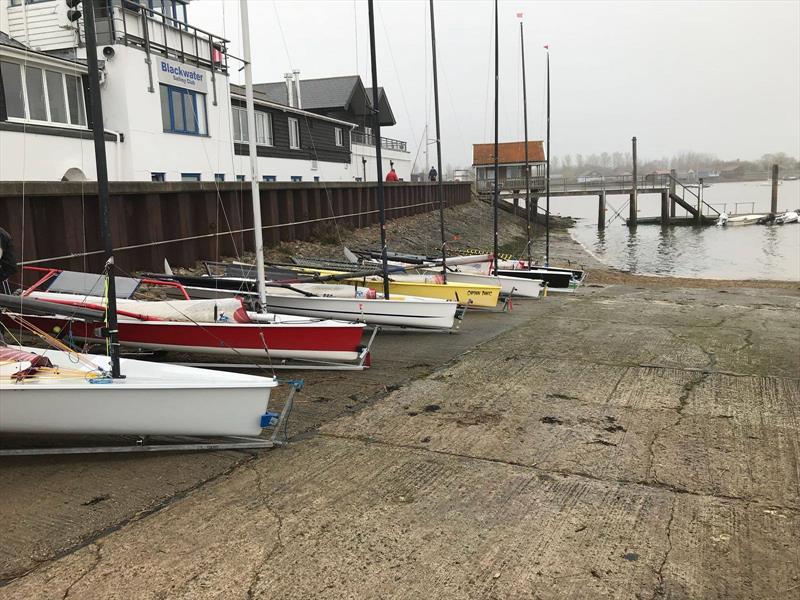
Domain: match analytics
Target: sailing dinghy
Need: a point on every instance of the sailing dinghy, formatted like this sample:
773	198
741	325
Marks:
220	327
327	301
63	392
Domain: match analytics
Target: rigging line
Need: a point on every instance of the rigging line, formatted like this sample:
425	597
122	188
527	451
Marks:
396	71
311	136
204	328
355	29
488	80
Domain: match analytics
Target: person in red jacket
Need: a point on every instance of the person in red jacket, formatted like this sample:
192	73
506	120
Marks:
392	175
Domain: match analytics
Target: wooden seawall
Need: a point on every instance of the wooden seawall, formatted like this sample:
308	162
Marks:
56	223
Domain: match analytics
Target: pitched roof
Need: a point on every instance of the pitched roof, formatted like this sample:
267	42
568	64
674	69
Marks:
344	93
7	40
509	153
328	92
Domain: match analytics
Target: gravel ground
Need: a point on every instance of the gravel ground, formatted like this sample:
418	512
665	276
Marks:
639	439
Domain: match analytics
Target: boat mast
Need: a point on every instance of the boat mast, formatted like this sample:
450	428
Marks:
251	148
527	164
377	136
495	198
547	169
98	132
439	190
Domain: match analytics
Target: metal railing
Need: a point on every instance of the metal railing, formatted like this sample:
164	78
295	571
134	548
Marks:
564	185
132	24
367	139
736	206
695	198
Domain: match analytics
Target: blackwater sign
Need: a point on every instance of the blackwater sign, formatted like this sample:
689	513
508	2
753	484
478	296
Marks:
181	75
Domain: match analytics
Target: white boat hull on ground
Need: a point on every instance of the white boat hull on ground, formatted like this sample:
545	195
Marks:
509	286
411	312
153	399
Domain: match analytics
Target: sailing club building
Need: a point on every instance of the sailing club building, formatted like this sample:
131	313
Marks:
511	166
170	111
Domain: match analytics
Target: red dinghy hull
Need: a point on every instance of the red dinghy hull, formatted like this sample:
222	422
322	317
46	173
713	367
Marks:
329	341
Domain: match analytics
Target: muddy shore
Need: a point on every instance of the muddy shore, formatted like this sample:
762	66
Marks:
639	439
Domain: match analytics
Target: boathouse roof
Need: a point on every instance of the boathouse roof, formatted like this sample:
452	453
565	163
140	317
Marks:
509	153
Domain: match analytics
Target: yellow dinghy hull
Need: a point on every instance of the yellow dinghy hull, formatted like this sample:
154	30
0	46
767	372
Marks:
474	294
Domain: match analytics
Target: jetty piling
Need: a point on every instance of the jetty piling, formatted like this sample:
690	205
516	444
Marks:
774	205
632	221
601	210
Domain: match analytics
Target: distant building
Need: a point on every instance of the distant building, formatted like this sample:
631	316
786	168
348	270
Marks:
590	177
463	175
511	166
170	111
347	99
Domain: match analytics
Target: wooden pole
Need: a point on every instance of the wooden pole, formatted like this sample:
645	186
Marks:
601	211
527	163
774	206
665	208
699	216
632	207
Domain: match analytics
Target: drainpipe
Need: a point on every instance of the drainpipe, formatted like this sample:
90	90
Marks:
296	74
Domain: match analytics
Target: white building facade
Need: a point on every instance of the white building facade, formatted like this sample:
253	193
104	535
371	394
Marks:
170	111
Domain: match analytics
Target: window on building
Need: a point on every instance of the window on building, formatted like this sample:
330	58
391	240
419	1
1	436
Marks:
270	178
240	178
190	176
263	127
219	176
19	2
297	178
43	95
338	135
183	111
158	176
316	177
294	134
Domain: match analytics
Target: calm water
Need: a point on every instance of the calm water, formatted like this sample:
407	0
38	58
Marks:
745	252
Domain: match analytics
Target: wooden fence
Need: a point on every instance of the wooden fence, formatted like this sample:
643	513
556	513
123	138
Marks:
57	223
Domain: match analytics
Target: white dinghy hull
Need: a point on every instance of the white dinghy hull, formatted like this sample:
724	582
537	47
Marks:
152	399
509	286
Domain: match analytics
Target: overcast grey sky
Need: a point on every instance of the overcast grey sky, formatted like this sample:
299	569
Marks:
717	77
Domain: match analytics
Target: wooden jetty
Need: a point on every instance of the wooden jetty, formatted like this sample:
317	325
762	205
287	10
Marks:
673	194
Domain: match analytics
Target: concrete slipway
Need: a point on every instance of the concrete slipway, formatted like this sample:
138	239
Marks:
627	442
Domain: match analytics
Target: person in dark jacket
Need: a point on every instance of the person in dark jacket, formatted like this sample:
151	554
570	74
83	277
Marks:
8	259
432	174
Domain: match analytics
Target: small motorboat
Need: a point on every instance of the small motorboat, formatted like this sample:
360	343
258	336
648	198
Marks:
726	220
790	216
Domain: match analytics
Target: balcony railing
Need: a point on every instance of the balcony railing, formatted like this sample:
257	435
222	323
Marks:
129	23
367	139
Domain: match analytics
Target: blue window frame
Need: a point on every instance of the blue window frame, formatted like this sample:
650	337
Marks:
240	178
156	176
219	176
270	178
297	178
190	176
183	111
175	9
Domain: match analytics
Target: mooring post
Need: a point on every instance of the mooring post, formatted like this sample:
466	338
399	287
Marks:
699	217
632	213
601	211
665	208
774	206
673	176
